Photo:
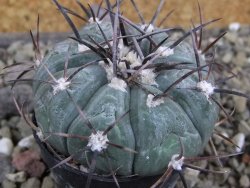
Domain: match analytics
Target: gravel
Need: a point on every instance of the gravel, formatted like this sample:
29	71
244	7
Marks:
233	51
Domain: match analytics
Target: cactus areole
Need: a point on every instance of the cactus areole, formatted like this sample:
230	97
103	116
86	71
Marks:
117	98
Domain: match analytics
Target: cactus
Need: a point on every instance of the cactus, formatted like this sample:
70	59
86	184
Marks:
126	97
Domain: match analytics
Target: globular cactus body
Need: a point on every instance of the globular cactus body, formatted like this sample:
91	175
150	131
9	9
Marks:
151	126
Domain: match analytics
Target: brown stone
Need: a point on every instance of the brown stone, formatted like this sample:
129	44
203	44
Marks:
29	161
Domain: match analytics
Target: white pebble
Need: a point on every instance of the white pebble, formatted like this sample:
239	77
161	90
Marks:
6	146
17	177
239	140
235	26
26	142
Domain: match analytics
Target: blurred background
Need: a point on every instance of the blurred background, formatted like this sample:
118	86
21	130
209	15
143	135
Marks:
20	16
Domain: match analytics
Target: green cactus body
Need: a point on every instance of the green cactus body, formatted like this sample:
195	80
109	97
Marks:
152	127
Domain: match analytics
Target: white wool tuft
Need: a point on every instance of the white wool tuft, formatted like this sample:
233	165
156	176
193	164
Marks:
98	141
153	103
147	76
124	50
122	66
165	51
82	48
150	28
61	85
176	164
206	87
118	84
107	46
133	59
97	20
108	68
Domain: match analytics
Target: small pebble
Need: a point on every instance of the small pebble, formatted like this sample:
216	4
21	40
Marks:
244	181
8	184
191	176
244	127
13	48
29	161
245	115
241	58
221	179
232	180
24	129
239	140
234	26
36	169
26	142
232	37
241	167
21	160
26	52
5	132
227	58
48	182
13	121
16	151
240	103
31	183
6	146
247	170
219	139
17	177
